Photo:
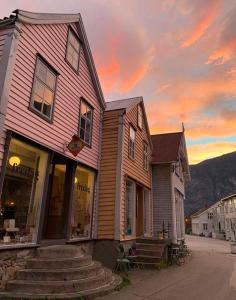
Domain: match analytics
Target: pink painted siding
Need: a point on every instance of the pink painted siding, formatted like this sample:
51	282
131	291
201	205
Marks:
50	42
3	34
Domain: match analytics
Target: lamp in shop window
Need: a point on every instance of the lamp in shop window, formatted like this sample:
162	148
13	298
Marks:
76	180
14	161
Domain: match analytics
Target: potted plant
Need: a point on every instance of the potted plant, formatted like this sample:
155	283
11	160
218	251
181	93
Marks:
233	229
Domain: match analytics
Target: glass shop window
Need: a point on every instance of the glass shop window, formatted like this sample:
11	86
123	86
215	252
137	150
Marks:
129	207
81	220
22	193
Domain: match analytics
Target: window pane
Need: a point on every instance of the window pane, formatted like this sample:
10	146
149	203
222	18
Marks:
22	193
47	109
82	134
37	102
87	132
48	96
75	61
132	133
89	113
41	70
82	203
82	123
39	88
51	80
83	109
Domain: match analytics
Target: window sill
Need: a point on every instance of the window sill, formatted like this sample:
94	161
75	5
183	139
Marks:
19	246
36	112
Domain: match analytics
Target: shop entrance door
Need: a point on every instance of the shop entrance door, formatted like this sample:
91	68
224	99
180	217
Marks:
139	211
58	197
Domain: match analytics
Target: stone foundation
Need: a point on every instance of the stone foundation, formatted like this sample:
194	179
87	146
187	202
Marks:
10	262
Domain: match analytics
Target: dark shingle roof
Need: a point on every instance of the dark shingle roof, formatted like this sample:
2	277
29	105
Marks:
166	147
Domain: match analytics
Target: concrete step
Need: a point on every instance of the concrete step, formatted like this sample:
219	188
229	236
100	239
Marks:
92	293
60	274
59	287
58	263
58	251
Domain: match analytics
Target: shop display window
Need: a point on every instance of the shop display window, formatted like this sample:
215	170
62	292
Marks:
81	218
22	193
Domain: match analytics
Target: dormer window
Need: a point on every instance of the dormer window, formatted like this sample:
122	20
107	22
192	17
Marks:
73	50
140	117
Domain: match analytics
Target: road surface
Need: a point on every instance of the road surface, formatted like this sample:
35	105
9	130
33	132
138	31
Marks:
210	274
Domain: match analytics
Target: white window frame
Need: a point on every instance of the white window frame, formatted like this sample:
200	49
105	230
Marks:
74	45
87	121
38	80
132	142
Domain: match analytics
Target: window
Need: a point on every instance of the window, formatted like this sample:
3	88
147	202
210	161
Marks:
204	226
43	91
140	117
81	219
210	216
22	193
131	141
145	156
85	124
129	207
73	50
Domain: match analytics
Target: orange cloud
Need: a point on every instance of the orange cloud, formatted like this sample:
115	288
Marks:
197	153
225	53
211	13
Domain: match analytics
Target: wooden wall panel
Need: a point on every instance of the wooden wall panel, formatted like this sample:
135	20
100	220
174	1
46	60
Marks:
50	41
107	191
162	197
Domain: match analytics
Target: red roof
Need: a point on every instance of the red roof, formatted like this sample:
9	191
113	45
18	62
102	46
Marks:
166	147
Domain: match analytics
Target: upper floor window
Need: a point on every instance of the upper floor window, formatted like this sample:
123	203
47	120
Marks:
43	90
131	141
140	117
145	156
85	123
73	50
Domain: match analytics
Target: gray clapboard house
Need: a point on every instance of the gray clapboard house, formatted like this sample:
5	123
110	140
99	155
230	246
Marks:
170	171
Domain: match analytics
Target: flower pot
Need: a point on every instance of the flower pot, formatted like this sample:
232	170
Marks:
233	248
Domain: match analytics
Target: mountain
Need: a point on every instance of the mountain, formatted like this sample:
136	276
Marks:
211	180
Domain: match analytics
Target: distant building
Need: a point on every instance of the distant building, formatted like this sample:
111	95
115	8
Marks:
170	171
209	221
229	204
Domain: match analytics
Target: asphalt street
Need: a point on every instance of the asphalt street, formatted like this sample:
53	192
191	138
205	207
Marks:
209	274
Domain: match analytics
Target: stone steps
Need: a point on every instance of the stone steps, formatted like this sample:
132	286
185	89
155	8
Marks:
60	272
89	294
150	252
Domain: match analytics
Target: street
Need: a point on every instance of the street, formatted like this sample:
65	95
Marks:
210	274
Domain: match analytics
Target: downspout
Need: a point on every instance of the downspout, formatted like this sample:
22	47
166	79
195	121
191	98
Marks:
95	233
119	175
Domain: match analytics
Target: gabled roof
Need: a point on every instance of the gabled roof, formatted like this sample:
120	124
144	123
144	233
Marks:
205	209
166	147
127	105
123	103
228	197
22	16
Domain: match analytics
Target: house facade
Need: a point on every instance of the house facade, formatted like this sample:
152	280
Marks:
209	222
125	208
229	205
170	171
51	107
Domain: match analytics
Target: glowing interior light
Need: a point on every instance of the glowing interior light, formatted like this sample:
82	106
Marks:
14	161
76	179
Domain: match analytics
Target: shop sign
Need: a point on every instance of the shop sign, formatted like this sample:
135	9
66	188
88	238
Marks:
75	145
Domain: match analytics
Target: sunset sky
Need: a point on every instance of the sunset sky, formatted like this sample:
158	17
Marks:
180	55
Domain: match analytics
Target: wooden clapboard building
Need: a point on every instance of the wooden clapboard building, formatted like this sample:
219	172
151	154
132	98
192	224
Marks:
125	210
170	171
